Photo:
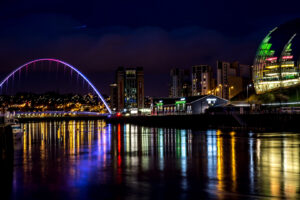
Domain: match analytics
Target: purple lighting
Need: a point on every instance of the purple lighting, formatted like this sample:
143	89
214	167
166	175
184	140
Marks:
65	64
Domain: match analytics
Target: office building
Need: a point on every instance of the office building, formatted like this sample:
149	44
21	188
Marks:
113	96
232	78
130	87
180	84
201	79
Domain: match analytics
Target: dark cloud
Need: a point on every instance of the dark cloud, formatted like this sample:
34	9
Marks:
102	49
97	37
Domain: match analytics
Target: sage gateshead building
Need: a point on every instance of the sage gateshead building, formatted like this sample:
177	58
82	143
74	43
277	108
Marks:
277	60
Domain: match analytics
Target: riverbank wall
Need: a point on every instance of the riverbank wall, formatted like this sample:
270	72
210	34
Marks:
66	118
6	140
230	121
6	161
255	122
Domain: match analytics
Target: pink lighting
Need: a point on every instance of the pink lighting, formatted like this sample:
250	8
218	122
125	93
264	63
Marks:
271	59
65	64
287	57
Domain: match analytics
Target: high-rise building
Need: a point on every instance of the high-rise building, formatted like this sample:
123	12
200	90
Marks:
224	70
245	71
232	78
201	79
120	76
180	84
140	87
130	84
113	96
187	84
175	83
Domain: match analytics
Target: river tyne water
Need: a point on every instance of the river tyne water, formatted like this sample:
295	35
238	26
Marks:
95	160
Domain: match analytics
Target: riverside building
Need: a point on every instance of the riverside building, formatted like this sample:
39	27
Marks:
130	89
185	105
277	59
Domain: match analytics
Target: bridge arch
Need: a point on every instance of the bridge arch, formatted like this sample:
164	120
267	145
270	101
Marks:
65	64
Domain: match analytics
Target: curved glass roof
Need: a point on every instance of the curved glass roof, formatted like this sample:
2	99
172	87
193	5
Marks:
277	59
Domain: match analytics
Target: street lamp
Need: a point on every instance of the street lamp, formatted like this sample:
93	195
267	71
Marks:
213	92
249	85
221	95
230	88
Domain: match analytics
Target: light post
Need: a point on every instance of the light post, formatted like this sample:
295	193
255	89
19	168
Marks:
249	85
230	88
217	90
214	91
221	95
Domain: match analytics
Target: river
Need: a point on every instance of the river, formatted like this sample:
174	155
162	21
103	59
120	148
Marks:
95	160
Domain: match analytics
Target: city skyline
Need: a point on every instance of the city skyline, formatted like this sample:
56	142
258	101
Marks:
151	99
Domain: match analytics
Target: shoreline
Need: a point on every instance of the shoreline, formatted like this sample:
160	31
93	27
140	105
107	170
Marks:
231	121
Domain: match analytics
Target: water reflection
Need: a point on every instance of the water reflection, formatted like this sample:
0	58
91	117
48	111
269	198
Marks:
89	159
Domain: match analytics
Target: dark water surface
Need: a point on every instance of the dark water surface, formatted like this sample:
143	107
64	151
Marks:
94	160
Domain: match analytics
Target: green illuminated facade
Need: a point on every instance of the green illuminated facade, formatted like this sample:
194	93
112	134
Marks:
276	64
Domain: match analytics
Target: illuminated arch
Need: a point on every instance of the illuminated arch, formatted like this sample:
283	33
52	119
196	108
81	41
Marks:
65	64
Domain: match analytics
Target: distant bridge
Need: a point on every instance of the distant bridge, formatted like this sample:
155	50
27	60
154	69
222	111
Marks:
6	79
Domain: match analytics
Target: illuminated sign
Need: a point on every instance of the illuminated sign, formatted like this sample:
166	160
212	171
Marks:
211	100
160	103
287	57
180	102
134	111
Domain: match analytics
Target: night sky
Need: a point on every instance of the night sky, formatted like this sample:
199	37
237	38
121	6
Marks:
97	37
